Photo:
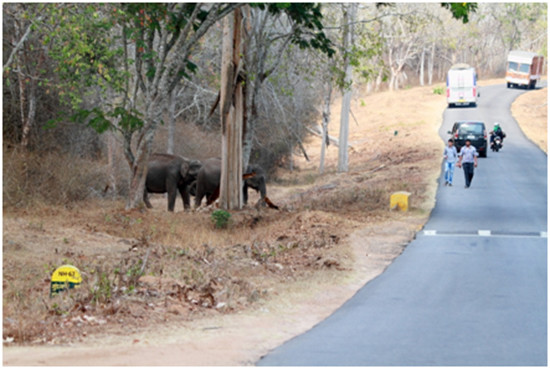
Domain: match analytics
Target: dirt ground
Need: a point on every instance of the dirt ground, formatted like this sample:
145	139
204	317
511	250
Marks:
531	112
226	297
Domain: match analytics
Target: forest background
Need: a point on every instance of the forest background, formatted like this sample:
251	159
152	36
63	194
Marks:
65	145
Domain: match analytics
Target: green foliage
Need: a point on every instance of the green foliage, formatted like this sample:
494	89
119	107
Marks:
461	11
220	218
92	47
438	90
129	120
308	16
81	41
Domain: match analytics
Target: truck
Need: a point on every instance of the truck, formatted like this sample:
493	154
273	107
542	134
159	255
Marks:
524	69
462	85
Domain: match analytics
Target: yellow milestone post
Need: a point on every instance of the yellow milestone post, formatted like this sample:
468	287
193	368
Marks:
400	200
63	278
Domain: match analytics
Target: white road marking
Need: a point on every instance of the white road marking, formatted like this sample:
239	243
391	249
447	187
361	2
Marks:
485	233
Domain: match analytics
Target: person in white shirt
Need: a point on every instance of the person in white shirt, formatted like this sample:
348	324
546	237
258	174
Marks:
451	157
468	160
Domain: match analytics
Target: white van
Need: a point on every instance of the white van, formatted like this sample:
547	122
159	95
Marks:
462	85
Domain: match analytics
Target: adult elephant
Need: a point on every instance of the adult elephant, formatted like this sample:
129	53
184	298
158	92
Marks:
170	174
208	182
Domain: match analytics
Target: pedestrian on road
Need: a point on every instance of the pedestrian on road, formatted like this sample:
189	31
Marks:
451	157
468	160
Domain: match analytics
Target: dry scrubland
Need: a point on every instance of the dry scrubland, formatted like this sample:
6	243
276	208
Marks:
531	112
329	227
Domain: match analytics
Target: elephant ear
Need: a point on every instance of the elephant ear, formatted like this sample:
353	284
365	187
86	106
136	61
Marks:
190	169
184	169
194	168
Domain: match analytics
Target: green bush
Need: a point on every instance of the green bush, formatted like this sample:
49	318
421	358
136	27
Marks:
439	90
220	218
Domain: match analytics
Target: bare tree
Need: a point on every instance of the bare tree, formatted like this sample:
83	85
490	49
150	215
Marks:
26	60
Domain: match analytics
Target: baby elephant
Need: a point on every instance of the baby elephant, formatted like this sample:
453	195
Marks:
208	182
170	174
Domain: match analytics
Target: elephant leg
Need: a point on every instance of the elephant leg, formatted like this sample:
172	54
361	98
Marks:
185	197
146	199
245	193
198	200
261	190
192	189
199	194
172	191
213	196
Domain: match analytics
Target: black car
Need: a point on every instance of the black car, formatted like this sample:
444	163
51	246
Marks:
473	131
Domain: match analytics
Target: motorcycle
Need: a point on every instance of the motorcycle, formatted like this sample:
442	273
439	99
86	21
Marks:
496	144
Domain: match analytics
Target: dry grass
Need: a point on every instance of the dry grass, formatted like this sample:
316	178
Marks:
531	112
30	179
190	268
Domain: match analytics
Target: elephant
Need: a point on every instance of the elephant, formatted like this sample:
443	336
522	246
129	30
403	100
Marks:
208	182
170	173
257	182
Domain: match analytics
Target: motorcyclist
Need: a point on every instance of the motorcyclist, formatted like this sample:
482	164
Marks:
497	132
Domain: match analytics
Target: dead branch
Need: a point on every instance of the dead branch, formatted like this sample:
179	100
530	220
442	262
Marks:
330	138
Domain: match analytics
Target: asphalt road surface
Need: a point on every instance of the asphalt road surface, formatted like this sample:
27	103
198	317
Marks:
471	289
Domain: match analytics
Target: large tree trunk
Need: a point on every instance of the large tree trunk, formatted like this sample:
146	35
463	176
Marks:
232	110
349	18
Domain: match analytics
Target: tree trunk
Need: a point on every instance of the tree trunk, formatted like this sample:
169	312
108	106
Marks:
349	18
232	110
171	122
247	143
143	151
326	119
27	94
22	109
291	157
421	72
139	175
111	147
431	65
379	80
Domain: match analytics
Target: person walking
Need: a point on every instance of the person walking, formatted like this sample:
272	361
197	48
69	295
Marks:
468	160
451	157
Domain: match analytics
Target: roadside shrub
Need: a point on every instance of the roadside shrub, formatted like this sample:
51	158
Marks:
220	218
356	198
438	90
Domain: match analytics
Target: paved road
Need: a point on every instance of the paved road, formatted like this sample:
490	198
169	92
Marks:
471	289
